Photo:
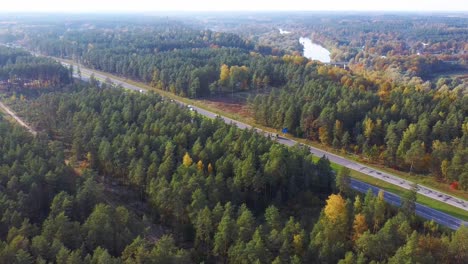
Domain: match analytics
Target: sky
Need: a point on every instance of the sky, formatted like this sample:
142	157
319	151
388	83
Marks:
78	6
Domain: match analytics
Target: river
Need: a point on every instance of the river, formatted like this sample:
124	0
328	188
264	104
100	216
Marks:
314	51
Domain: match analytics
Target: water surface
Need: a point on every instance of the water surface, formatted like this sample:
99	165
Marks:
314	51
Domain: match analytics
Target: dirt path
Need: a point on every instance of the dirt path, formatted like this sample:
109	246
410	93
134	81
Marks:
7	110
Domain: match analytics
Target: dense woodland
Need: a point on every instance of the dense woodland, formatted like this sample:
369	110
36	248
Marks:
221	194
169	56
122	177
391	117
18	69
404	127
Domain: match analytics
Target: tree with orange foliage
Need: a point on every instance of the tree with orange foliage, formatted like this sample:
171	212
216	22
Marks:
324	136
210	168
359	226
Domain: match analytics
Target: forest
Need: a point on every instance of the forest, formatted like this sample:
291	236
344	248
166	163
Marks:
169	56
386	116
18	69
115	176
404	127
219	194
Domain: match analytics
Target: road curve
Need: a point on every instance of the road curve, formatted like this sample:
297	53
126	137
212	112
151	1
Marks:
13	114
421	210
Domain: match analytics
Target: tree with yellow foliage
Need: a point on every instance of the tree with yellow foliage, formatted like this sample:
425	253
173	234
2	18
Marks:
187	160
331	233
335	210
200	165
224	75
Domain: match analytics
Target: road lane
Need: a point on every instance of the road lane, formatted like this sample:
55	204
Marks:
423	211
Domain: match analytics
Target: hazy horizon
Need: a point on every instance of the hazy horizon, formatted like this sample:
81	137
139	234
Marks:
145	6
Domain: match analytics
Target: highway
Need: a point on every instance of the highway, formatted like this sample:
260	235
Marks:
421	210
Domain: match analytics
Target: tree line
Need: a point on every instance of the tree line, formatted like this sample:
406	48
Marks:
19	69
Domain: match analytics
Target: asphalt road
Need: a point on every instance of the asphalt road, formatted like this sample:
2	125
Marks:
421	210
